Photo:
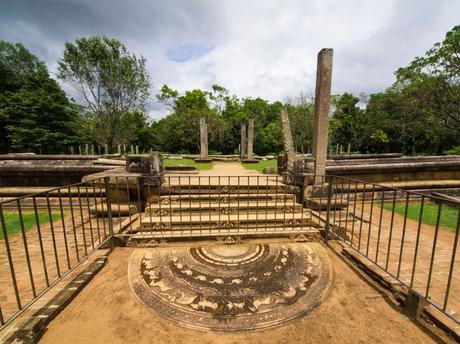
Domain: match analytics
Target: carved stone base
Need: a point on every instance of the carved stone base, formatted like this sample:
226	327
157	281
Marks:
231	288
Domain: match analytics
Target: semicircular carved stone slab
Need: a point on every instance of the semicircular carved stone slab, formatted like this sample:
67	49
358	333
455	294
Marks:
231	288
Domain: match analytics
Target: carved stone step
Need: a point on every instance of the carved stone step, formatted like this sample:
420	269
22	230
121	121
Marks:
261	206
225	198
242	220
228	236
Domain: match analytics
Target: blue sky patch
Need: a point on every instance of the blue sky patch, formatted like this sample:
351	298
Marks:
183	53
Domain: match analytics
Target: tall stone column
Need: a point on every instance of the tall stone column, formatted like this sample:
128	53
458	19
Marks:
322	103
243	142
203	139
250	155
288	142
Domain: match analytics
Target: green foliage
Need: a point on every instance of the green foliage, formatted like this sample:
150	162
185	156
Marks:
448	218
201	166
111	80
13	224
453	151
419	113
261	165
347	122
35	114
179	131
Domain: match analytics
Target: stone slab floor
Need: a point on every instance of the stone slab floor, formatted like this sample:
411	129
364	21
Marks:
355	311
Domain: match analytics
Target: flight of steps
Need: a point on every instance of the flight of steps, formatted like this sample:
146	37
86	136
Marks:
214	210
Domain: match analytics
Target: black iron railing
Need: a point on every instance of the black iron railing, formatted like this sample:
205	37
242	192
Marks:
44	236
198	206
412	236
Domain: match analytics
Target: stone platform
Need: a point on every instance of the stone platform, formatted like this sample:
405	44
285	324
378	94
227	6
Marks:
231	288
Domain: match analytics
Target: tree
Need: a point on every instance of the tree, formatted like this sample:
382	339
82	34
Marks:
347	123
436	79
35	114
187	109
301	117
110	79
138	132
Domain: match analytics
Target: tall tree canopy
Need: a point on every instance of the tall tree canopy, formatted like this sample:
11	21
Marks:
35	114
110	79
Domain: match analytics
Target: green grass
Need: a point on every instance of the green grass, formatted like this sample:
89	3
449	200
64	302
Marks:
448	217
260	165
202	166
13	225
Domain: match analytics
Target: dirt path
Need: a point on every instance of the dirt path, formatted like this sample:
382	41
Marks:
107	311
228	169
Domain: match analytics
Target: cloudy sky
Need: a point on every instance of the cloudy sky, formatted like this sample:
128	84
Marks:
263	48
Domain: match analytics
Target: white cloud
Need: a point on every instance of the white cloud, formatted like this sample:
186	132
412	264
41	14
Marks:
263	48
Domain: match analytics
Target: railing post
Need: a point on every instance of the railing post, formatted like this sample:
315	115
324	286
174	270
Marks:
328	211
109	205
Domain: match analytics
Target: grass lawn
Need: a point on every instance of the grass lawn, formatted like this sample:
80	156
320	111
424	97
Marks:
202	166
448	218
260	165
13	225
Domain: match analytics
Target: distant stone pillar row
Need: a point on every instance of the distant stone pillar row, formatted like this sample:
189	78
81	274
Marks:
322	104
203	139
250	155
243	141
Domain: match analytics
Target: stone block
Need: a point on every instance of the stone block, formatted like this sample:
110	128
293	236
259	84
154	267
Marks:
151	164
415	303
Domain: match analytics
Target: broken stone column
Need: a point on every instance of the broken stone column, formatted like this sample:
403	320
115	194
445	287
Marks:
250	155
322	103
203	139
243	142
288	143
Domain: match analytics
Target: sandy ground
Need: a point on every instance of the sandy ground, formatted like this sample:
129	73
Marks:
355	311
220	168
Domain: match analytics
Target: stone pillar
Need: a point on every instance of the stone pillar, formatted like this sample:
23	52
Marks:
71	150
92	149
203	139
322	103
119	149
137	149
250	139
106	149
288	143
243	141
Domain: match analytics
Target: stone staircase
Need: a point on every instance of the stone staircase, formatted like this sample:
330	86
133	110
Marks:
229	211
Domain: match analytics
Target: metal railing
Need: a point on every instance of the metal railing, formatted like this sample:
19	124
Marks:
412	236
44	236
185	206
